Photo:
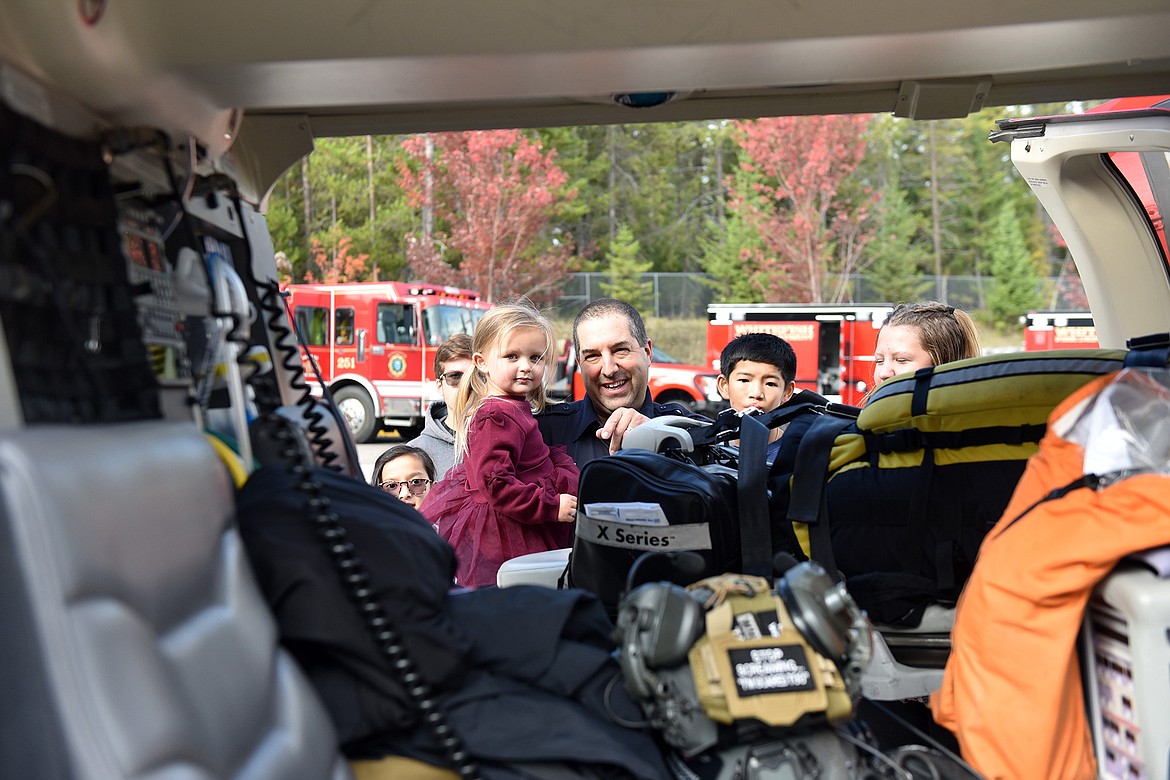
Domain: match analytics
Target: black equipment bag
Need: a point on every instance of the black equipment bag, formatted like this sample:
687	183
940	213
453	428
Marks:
637	501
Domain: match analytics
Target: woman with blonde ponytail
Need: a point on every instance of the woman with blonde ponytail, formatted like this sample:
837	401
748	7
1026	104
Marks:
926	333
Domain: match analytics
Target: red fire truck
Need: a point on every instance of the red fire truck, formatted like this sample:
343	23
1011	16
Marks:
375	342
834	343
1060	330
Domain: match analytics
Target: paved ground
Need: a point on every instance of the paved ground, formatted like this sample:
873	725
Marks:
368	453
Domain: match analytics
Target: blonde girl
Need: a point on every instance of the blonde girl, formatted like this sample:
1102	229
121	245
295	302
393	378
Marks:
509	494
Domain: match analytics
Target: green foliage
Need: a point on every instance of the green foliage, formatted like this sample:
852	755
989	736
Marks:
580	154
625	272
663	180
990	184
1016	279
899	252
350	182
732	255
955	182
285	229
673	168
668	184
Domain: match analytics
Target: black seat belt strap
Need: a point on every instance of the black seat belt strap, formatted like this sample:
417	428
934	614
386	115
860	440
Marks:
809	503
754	530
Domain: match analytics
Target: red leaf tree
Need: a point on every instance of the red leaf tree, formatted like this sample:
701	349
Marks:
335	267
493	195
809	228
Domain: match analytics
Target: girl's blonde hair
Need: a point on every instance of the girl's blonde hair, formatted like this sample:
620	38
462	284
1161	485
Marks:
490	332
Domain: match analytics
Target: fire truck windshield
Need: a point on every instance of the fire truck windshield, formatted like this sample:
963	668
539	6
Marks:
395	323
444	321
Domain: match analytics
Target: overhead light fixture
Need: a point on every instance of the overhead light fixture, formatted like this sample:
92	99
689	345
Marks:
643	99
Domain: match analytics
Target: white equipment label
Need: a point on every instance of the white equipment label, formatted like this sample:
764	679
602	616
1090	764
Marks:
638	536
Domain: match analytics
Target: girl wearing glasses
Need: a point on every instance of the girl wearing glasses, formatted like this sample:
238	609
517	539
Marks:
404	472
509	494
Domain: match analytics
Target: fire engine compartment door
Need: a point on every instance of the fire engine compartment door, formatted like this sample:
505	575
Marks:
828	357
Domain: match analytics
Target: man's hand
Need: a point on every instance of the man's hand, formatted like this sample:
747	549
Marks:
620	421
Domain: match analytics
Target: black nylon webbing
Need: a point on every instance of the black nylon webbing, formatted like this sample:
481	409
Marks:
922	379
727	426
808	502
754	524
812	467
911	439
69	319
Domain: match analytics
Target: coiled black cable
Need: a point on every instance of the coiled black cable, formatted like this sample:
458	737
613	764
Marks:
354	576
275	311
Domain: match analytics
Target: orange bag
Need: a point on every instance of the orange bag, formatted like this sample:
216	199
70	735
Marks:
1011	690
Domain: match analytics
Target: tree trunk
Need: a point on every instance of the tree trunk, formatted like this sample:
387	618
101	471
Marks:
370	187
935	219
428	207
307	190
720	190
612	182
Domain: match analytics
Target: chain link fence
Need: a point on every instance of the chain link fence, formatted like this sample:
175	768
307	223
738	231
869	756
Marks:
686	295
676	295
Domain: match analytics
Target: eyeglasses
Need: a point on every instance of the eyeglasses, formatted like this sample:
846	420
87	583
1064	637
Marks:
416	486
452	378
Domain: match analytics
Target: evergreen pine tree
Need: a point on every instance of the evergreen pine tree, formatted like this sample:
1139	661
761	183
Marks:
731	257
1015	291
626	270
899	252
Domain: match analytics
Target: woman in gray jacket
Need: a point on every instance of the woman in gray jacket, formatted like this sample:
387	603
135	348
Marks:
452	359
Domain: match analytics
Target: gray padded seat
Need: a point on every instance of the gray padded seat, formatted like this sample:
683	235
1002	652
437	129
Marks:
135	642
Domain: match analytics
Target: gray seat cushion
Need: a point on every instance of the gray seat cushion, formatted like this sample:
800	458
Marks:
138	645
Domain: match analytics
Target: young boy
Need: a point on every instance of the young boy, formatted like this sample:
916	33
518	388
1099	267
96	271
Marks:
758	370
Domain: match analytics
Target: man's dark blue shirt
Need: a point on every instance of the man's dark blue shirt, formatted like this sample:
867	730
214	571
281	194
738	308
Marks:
575	425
